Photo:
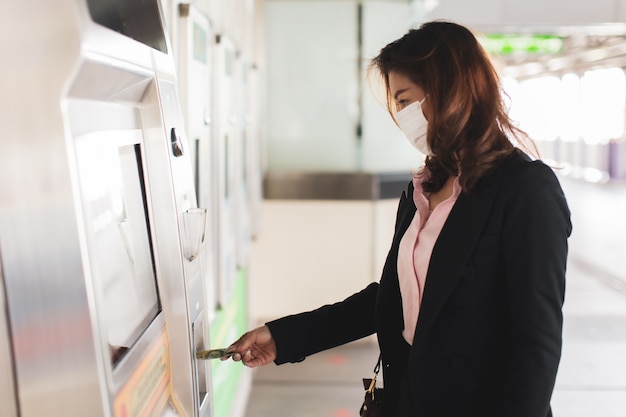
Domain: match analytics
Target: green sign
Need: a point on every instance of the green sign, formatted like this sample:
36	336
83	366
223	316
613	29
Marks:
527	44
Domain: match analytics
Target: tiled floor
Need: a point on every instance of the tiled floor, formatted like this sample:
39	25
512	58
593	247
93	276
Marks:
592	376
326	384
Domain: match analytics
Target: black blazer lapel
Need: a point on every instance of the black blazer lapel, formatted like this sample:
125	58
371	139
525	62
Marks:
406	212
456	241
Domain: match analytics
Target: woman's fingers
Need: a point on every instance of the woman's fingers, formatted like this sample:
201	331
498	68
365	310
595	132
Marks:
240	343
254	358
254	348
247	358
239	347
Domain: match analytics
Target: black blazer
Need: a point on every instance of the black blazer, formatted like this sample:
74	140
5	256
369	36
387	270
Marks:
488	338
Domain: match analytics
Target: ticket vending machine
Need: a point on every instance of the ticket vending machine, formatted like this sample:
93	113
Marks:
8	403
226	140
101	236
254	160
194	35
243	173
195	75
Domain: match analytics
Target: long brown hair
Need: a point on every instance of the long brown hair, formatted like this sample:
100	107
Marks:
469	130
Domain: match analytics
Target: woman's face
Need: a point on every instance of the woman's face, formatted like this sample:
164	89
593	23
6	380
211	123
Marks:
404	92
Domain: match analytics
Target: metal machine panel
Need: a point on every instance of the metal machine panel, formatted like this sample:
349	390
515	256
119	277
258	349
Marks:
254	160
195	60
192	219
192	236
226	140
113	144
92	212
195	77
166	217
57	367
243	174
8	401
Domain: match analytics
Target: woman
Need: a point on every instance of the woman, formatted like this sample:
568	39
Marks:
468	309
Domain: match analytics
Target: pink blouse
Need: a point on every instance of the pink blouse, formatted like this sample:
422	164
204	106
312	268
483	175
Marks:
415	249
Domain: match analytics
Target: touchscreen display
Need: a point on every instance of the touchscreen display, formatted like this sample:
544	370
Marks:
121	256
137	19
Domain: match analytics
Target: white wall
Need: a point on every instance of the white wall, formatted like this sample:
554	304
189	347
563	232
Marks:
311	253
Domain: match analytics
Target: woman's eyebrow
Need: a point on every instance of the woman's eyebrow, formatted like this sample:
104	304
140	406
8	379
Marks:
395	96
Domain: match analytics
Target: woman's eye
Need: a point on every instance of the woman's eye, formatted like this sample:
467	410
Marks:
400	104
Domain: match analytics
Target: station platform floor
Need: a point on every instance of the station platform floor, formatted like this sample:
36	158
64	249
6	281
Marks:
592	376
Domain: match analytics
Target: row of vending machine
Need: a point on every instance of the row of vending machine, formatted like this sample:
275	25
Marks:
130	179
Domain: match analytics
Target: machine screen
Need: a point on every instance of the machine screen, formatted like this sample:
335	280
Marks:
121	254
137	19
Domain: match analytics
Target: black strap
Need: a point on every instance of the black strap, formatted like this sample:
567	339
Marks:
377	367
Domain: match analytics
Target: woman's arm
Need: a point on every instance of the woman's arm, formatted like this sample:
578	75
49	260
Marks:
536	228
304	334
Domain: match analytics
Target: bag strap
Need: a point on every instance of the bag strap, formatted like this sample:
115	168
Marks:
377	367
376	371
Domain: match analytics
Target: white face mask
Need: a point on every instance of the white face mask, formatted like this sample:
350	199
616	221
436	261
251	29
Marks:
414	125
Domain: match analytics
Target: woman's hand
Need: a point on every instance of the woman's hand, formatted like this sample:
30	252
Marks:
254	348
